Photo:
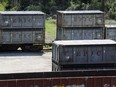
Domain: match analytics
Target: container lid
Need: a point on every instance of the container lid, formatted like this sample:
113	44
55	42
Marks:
21	12
85	42
81	11
110	26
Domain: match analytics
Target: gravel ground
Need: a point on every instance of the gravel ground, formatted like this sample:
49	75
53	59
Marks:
17	62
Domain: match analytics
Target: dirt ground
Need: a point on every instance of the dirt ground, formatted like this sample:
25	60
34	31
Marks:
17	62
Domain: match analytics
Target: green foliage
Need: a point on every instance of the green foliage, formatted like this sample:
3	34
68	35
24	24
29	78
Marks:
74	5
34	8
50	29
3	4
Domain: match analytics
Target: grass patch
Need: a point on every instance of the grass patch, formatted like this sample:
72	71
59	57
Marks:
110	22
50	30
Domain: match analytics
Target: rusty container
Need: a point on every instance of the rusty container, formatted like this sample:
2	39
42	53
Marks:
90	18
79	33
69	52
110	32
85	81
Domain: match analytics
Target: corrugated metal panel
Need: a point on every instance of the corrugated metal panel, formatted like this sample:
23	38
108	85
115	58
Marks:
80	19
79	33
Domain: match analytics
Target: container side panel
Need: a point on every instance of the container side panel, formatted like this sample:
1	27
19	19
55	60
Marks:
38	36
87	34
12	83
77	20
107	82
90	82
55	82
47	82
111	34
27	36
0	37
80	55
98	82
16	37
98	34
77	34
38	83
6	37
113	82
29	83
67	20
77	82
88	20
99	20
64	82
3	83
67	55
38	21
95	54
16	21
21	83
6	21
26	21
109	54
67	34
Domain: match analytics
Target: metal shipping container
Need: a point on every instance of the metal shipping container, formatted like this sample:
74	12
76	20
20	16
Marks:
22	19
110	32
84	52
90	18
79	33
22	37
